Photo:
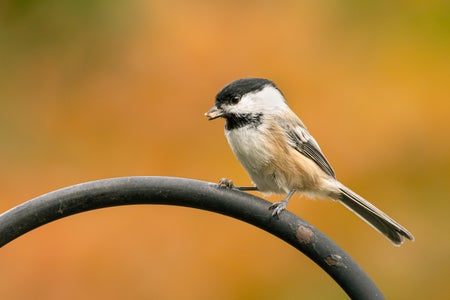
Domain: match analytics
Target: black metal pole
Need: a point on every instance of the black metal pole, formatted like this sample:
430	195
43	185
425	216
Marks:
197	194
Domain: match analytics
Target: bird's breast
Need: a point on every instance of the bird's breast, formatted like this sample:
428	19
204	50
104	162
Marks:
254	152
250	147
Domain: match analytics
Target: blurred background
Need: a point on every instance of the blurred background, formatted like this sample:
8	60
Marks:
100	89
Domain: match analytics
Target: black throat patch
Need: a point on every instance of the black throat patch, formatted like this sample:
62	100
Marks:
236	121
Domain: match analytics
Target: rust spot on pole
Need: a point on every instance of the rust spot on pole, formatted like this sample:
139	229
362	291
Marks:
304	234
335	260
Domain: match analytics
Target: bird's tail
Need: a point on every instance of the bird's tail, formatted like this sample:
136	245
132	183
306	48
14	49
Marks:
375	217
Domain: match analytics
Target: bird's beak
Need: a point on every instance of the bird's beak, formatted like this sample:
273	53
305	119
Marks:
214	113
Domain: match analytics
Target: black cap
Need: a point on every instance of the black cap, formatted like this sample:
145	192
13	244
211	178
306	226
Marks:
232	92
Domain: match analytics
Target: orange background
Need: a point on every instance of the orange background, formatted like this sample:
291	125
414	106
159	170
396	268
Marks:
92	90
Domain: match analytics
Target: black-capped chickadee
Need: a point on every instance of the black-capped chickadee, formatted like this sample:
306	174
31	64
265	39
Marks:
281	156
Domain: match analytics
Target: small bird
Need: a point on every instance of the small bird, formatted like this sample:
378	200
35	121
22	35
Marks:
281	156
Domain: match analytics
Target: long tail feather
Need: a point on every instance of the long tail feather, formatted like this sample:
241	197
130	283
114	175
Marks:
375	217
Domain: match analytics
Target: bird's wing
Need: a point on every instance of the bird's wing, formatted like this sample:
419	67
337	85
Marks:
301	140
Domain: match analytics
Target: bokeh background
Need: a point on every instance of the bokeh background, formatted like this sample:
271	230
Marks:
100	89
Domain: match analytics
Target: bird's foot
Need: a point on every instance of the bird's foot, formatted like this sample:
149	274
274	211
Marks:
226	183
278	207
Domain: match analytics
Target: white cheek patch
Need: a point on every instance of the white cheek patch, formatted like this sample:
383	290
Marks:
268	100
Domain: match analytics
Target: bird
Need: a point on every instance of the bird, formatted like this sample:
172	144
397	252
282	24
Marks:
281	156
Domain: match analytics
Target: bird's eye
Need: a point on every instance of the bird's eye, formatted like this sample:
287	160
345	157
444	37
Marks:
235	99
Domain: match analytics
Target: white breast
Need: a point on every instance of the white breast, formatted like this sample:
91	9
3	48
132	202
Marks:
250	147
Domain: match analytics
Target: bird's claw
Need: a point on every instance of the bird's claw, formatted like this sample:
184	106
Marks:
277	208
226	183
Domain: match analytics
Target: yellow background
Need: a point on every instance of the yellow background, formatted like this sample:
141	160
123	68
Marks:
100	89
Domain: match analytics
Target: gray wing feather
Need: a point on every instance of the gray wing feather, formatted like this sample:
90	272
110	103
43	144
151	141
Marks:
300	139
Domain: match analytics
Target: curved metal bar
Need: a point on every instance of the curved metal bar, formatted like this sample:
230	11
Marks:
197	194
